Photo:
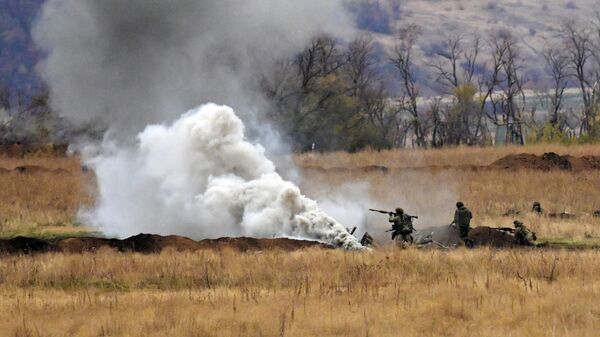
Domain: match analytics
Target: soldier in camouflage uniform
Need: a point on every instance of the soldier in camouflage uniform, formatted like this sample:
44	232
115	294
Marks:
523	236
537	208
401	225
462	219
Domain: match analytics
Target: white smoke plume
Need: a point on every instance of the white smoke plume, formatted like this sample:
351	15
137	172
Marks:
200	177
129	64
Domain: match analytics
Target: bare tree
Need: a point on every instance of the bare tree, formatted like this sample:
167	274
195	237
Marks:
455	67
438	126
513	100
471	58
491	81
456	63
319	60
579	53
557	65
447	62
502	88
402	59
361	64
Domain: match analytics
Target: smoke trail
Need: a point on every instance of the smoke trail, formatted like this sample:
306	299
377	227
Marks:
201	177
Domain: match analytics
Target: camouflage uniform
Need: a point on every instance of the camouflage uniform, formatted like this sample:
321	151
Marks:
537	208
401	223
367	240
462	218
523	236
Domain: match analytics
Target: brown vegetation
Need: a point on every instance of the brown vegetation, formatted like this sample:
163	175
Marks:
315	292
304	293
43	201
457	156
547	161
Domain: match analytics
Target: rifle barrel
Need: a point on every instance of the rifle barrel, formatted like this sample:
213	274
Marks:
380	211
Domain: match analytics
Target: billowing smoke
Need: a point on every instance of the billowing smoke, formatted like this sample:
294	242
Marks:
201	177
131	63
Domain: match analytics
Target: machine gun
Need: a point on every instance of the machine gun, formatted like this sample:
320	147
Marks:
388	213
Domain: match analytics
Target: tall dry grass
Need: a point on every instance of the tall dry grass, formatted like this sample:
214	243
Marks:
44	201
434	157
309	293
386	292
432	193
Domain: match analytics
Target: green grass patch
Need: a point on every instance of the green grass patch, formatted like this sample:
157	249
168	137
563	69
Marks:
569	243
48	231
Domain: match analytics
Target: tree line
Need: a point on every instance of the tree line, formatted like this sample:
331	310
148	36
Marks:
351	95
348	96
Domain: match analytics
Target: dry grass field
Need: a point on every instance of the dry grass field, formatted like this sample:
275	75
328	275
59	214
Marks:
431	193
438	157
386	292
43	200
308	293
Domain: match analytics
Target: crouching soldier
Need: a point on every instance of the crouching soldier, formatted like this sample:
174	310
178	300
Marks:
523	236
537	208
402	225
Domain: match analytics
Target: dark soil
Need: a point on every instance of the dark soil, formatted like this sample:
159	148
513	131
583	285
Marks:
23	245
149	243
480	236
546	162
487	236
32	169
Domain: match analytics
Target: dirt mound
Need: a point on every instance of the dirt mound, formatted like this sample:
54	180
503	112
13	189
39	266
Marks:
142	243
150	243
252	244
32	169
79	245
546	162
23	245
481	236
487	236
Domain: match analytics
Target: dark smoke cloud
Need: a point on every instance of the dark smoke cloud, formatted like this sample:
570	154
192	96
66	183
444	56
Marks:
134	62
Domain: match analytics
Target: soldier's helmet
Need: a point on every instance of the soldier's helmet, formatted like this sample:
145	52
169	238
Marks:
399	210
460	204
517	223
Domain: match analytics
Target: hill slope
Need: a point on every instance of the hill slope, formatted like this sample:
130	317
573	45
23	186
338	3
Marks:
531	20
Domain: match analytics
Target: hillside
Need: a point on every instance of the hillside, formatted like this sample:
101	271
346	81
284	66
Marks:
18	54
532	21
